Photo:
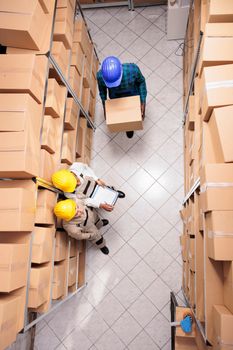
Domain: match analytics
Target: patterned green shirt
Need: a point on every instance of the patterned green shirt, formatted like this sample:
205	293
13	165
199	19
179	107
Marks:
132	83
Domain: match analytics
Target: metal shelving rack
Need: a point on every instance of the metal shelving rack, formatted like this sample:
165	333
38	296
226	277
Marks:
41	183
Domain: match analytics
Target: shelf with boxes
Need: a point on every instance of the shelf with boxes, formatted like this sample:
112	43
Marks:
45	125
207	239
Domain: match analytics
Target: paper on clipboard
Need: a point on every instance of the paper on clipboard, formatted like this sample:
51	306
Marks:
105	195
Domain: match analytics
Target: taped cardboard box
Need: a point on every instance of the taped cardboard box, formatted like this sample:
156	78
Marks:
216	88
180	314
93	85
63	28
184	248
216	51
22	24
17	211
77	57
206	152
68	146
23	74
49	134
87	74
72	114
221	123
220	11
61	246
42	247
191	113
228	285
9	316
13	267
79	143
46	201
123	114
223	325
20	127
95	64
72	271
55	100
92	106
191	253
184	343
39	286
61	56
64	3
75	81
48	164
58	280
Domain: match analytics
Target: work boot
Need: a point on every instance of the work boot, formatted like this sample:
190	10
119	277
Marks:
105	250
121	194
129	134
105	222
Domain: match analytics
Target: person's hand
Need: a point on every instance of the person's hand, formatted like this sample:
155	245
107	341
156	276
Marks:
101	182
106	206
143	110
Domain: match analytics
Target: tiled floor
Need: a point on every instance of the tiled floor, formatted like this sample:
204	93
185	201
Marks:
126	302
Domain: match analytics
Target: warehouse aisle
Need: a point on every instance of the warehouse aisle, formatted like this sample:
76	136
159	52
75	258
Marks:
126	302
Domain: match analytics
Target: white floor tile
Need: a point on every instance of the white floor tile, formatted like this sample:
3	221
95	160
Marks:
141	211
93	326
157	226
95	291
125	37
126	258
143	342
126	226
126	292
126	167
155	137
142	242
171	180
109	338
153	59
142	275
158	293
113	27
126	328
153	35
114	241
46	339
139	48
156	196
159	329
143	310
141	181
110	309
77	337
110	274
139	24
158	259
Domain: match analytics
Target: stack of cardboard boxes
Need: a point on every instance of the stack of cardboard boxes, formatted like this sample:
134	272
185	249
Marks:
207	240
40	132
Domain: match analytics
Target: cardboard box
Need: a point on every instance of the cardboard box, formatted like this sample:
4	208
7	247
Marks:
81	36
58	281
184	343
39	286
72	271
20	127
191	113
47	5
217	199
46	201
218	230
220	11
42	247
22	24
223	325
228	285
13	267
87	74
71	114
216	174
77	58
216	51
191	253
23	74
221	123
60	246
92	106
9	316
55	100
73	247
17	211
79	143
95	64
124	114
63	28
75	81
216	88
206	153
68	146
61	56
64	3
86	98
49	134
48	164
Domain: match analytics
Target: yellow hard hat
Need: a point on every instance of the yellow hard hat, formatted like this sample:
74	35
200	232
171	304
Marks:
66	209
64	180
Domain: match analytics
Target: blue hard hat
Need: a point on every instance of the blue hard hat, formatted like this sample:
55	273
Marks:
112	71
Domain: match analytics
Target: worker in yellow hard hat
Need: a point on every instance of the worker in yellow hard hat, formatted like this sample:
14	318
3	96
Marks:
80	181
80	222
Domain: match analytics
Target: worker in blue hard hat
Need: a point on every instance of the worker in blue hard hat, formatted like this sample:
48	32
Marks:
121	80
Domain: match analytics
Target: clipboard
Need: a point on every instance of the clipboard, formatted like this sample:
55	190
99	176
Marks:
105	195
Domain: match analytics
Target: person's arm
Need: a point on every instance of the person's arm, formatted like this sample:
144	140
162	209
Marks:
75	231
92	202
141	82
